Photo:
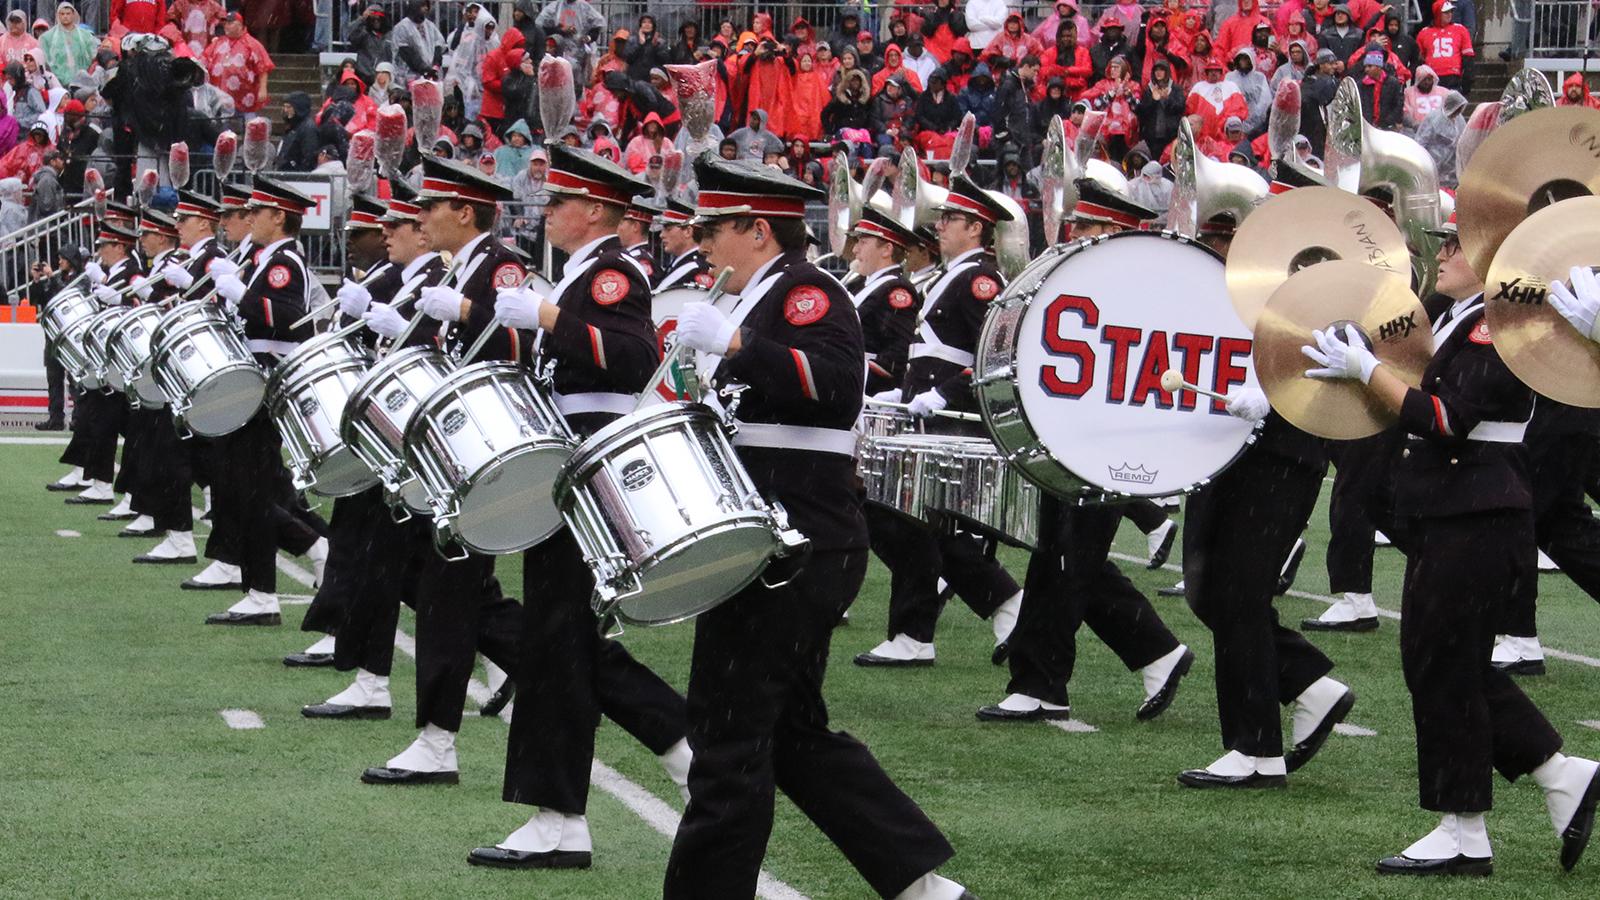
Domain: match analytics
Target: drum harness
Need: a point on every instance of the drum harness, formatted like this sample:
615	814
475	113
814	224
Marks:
931	345
590	401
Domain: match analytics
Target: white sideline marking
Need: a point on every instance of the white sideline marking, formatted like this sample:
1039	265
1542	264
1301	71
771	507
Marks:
1073	726
294	599
243	719
67	532
35	440
1348	730
1549	651
1590	723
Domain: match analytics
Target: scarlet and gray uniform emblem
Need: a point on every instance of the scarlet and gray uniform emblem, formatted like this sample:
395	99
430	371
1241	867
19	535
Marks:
805	304
609	287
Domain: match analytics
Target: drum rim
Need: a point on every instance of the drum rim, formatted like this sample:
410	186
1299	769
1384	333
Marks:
465	485
182	312
293	373
725	524
460	377
598	444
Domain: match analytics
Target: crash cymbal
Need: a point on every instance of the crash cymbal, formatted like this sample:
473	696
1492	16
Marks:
1304	227
1528	163
1380	304
1538	345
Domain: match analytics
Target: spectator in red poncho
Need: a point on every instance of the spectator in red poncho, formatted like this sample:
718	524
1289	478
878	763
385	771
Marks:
238	64
1158	47
1201	56
1013	42
808	94
826	65
496	63
941	27
1295	30
1234	32
1446	45
366	110
1187	27
138	16
958	70
1215	95
1265	56
1069	61
894	66
1575	92
650	141
805	36
767	72
197	20
611	60
25	158
1116	95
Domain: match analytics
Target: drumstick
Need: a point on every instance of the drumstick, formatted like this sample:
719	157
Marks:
1172	381
673	353
948	414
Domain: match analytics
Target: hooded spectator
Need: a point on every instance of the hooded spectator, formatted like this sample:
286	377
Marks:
1254	88
27	156
1295	66
1574	92
850	110
1382	101
298	150
1151	189
646	49
1111	44
918	60
808	94
601	140
10	130
238	64
1439	133
1401	44
687	48
1236	30
1158	46
985	20
475	40
767	75
1297	30
978	98
28	103
1423	96
519	91
650	141
1069	61
496	64
1263	45
1316	92
68	46
1446	45
941	25
1014	42
1160	109
1201	57
13	214
1341	35
382	83
894	67
1116	95
1066	12
937	110
1055	102
48	196
369	37
418	43
16	38
755	140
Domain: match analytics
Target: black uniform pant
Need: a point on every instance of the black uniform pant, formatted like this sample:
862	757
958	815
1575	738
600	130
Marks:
1354	509
358	555
1563	526
250	483
917	556
157	464
460	612
568	675
1233	546
295	526
1146	515
99	418
758	723
55	379
1470	719
1071	581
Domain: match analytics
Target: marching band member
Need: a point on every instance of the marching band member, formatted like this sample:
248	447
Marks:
596	327
100	415
686	266
1462	493
1071	580
268	294
236	222
1231	548
886	302
457	602
937	375
634	232
757	717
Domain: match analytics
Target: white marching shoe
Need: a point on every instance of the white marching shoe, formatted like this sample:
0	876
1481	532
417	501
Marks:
98	493
1023	708
1459	846
900	650
177	547
366	698
123	510
431	759
141	526
1352	612
550	840
72	481
1004	621
1159	543
676	761
1161	680
1517	655
1236	770
218	576
255	608
318	655
318	554
1571	792
1546	564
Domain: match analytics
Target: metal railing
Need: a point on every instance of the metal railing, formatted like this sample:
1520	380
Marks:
39	243
1556	28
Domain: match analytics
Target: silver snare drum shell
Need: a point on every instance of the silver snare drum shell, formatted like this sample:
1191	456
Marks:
64	309
488	444
205	370
978	490
129	344
97	349
900	472
69	350
667	516
306	398
378	411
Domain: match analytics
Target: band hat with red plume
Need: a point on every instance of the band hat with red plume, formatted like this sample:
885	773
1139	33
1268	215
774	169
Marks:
112	233
644	209
158	223
581	173
198	206
403	204
966	197
235	198
366	212
676	213
874	223
748	188
1099	205
268	193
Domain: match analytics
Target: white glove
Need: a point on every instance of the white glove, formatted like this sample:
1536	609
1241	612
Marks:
353	299
702	326
221	267
442	303
892	395
231	290
145	286
96	274
178	277
107	296
1248	404
1580	303
518	307
1348	358
927	403
382	318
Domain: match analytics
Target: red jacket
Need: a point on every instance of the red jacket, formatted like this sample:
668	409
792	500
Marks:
496	63
1444	48
143	16
1074	73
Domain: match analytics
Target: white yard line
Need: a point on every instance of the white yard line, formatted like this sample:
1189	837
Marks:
1073	726
1348	730
243	719
57	441
1549	651
1590	723
67	532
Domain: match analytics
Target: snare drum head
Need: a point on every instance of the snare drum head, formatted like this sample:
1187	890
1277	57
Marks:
699	575
226	401
508	507
1098	332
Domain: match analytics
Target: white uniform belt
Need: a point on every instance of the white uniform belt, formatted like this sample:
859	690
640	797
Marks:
796	437
1498	432
262	345
595	402
946	353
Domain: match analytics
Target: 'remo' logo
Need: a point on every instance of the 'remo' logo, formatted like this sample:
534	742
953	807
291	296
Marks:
1137	359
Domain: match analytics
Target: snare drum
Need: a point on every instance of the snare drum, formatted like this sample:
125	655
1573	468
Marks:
205	370
306	397
96	349
901	472
884	421
975	488
129	346
487	445
1069	366
65	308
378	411
70	352
667	516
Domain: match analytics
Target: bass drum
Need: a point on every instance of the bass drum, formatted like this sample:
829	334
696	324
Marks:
1070	359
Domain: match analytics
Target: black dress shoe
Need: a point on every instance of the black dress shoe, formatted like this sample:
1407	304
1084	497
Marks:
1575	837
130	532
1002	651
308	661
50	425
124	517
147	559
1520	667
233	618
87	501
1367	624
1174	591
1204	778
1301	753
1458	865
1042	714
58	486
189	584
1291	568
529	859
1159	558
385	775
874	661
1163	698
340	711
499	700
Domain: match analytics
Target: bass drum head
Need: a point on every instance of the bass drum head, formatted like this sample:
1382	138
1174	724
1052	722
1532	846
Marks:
700	574
1092	344
342	474
497	514
226	401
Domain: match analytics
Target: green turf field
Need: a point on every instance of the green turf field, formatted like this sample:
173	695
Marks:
122	779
